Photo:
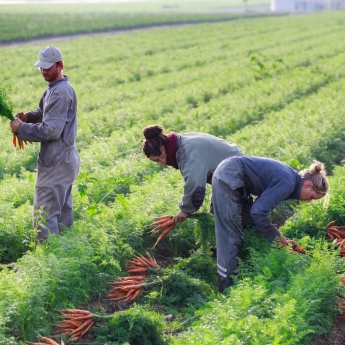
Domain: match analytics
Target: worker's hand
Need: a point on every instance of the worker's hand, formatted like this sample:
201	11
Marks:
22	116
14	124
181	217
283	241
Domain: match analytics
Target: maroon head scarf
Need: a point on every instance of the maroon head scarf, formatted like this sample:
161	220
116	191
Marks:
170	149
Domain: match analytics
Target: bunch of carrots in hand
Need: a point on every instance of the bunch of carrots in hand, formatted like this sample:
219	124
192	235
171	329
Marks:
128	289
48	341
296	247
164	224
6	111
76	323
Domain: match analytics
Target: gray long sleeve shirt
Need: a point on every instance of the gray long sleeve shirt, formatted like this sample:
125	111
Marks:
54	122
272	182
198	155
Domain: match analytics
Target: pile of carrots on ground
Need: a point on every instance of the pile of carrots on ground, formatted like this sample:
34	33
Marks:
164	224
76	323
337	235
128	289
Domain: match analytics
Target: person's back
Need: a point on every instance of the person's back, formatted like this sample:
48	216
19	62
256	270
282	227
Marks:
205	148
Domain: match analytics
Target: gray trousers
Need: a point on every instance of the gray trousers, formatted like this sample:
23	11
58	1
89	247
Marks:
231	214
53	191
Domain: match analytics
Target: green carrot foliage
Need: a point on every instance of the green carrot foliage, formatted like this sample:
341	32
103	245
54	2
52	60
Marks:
6	104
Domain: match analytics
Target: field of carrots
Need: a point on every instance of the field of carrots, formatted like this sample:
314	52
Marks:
274	86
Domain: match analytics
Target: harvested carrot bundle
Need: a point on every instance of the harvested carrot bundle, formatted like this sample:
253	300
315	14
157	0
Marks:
335	232
296	247
165	224
337	235
128	289
76	323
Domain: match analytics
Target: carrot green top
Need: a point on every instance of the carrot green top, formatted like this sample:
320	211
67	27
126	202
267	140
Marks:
6	105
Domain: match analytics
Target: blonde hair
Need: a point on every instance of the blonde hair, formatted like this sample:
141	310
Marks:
316	173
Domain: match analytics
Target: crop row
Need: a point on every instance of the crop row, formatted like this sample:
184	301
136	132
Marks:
279	98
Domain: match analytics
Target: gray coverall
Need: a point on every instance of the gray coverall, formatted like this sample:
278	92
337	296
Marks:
54	124
233	183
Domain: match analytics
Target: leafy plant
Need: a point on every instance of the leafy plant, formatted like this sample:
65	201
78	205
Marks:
136	326
6	104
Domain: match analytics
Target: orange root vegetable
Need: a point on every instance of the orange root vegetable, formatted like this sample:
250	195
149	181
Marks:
76	311
165	225
163	234
137	270
87	328
76	323
16	140
330	223
162	220
49	341
296	247
163	217
151	258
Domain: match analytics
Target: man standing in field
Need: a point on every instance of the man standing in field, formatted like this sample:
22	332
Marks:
54	125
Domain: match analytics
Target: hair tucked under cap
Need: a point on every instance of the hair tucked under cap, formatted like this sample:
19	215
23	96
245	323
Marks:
316	173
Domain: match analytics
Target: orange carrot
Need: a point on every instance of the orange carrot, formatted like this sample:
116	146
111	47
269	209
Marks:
124	282
151	258
160	221
76	311
137	270
134	277
137	293
163	217
86	323
146	262
330	223
87	328
163	234
49	341
164	225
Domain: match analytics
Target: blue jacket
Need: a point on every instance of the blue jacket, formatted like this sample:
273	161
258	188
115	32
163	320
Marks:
271	181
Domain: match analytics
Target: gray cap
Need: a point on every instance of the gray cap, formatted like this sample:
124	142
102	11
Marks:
48	56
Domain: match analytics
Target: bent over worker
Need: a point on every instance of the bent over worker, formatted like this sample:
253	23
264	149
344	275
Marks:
54	125
196	155
234	182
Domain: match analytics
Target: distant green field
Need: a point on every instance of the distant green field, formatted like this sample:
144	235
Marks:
132	6
31	21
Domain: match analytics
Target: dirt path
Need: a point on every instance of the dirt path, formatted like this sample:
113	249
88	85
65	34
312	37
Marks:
39	41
